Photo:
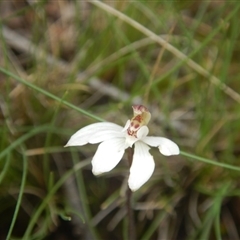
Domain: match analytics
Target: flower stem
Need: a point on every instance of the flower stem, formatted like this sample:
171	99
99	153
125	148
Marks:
130	215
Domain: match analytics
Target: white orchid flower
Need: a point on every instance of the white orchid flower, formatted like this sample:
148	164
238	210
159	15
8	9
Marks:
114	139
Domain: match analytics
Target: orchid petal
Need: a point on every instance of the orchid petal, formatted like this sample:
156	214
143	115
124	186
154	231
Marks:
108	155
142	166
101	136
166	146
130	140
102	131
142	132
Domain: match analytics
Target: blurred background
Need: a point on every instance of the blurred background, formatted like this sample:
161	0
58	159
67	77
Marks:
77	56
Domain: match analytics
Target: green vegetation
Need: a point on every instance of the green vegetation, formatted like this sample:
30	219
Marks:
67	64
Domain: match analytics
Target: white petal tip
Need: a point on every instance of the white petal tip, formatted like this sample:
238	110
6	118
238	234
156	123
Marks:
171	149
142	166
96	173
75	143
69	144
134	189
134	186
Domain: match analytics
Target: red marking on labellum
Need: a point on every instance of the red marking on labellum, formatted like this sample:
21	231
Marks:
141	118
137	126
138	118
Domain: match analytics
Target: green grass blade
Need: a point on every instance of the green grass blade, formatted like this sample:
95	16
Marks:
83	197
44	203
206	160
5	168
24	176
23	138
155	224
48	94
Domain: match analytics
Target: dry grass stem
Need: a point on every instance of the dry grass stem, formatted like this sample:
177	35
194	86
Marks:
199	69
21	43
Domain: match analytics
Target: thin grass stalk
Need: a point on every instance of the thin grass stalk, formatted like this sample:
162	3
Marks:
48	140
91	233
24	176
50	95
217	221
46	200
154	225
155	68
184	58
23	138
206	160
5	168
223	192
